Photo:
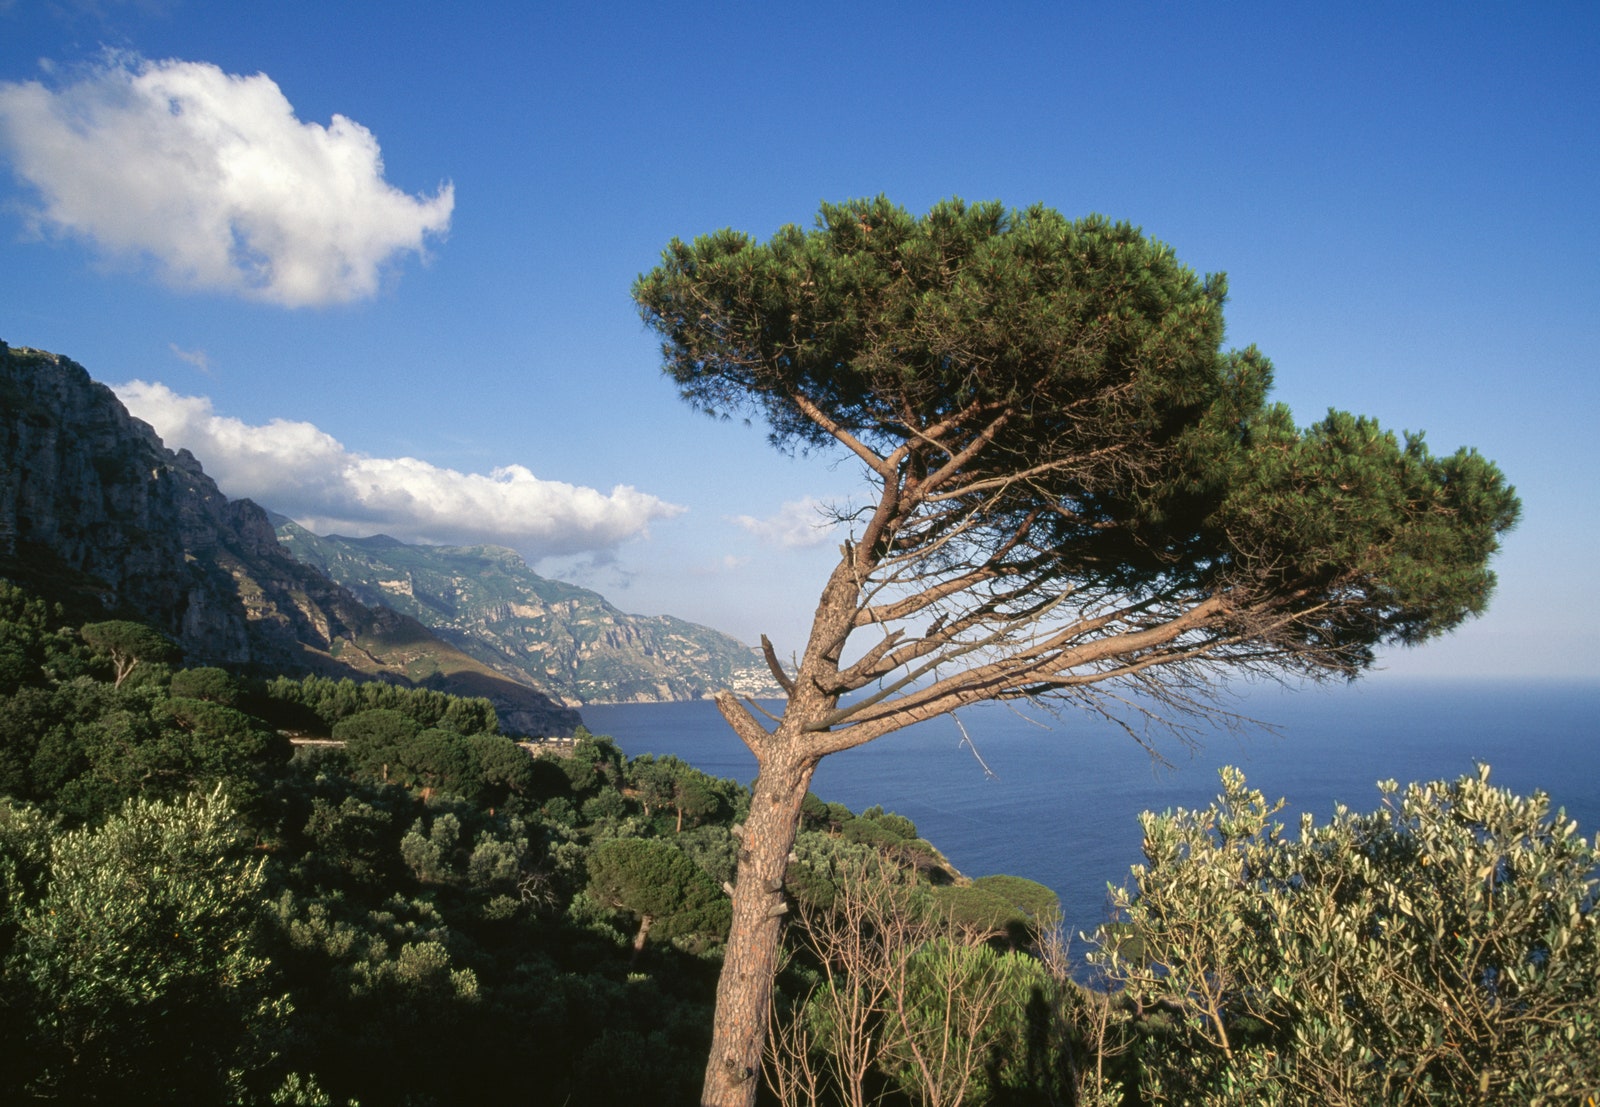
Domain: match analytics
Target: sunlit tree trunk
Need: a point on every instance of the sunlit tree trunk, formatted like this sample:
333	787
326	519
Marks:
639	939
750	962
786	757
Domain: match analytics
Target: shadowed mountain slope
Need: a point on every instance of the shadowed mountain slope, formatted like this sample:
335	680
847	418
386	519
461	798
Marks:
97	513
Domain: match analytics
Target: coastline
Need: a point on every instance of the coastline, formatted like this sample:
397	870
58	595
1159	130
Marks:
1062	806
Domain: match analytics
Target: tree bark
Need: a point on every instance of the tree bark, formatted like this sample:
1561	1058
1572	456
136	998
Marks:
744	991
645	922
786	757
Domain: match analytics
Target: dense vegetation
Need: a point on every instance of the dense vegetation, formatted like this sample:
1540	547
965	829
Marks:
194	909
192	906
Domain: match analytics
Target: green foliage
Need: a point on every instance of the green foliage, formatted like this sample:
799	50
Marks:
867	307
594	763
300	1091
713	849
504	770
83	746
434	906
652	780
25	837
35	645
548	781
693	799
437	761
25	718
890	996
670	784
331	701
128	644
431	851
998	905
220	742
206	683
1347	504
959	1027
658	884
898	826
431	930
137	958
373	738
469	716
419	927
1443	949
605	809
876	828
348	844
386	1010
386	745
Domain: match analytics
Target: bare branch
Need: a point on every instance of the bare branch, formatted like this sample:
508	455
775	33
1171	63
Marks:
883	466
966	740
750	732
776	667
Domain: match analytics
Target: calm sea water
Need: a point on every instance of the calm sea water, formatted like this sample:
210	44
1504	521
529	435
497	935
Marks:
1060	806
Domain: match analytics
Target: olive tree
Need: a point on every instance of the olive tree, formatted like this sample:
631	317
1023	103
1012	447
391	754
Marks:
1071	492
137	961
1444	948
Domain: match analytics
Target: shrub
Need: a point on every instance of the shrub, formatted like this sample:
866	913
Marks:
1441	949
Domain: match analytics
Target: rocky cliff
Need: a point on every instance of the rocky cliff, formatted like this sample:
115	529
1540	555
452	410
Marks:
568	640
94	507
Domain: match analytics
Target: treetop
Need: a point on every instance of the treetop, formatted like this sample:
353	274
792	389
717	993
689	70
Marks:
886	322
1048	409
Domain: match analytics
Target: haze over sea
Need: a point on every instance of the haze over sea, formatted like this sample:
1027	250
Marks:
1061	806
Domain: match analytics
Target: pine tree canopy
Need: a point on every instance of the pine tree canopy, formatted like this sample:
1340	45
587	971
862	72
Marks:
1062	452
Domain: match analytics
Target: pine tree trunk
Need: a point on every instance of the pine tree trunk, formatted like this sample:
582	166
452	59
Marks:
733	1073
645	922
744	991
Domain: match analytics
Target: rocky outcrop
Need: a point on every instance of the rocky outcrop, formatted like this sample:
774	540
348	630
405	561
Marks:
91	501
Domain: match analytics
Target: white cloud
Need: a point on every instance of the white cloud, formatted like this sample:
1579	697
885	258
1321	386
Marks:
797	525
211	177
305	473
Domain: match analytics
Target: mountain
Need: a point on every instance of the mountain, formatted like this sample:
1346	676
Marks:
97	514
565	639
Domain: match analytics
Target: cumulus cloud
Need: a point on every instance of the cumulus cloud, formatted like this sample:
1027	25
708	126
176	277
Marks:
212	178
797	525
305	473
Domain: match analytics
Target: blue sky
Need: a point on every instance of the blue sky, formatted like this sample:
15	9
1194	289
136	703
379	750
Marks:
371	261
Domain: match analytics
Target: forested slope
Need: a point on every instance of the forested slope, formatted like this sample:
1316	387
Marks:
425	913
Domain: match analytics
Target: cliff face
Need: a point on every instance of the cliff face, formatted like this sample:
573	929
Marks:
567	640
91	501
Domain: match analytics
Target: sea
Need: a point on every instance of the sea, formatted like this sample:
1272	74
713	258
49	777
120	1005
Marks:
1056	798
